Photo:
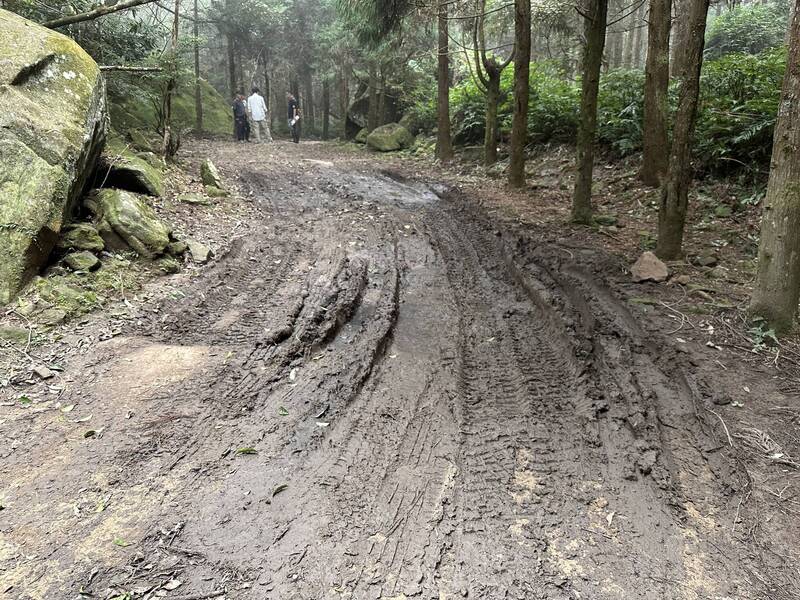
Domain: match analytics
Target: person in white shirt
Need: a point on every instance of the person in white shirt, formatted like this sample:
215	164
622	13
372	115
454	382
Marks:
257	110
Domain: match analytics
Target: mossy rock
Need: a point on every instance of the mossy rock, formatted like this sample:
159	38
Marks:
390	138
215	192
15	335
141	142
82	261
129	172
178	248
193	198
81	236
124	216
209	174
52	127
361	136
168	265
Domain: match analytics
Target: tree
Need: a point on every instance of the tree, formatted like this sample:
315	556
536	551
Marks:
656	100
675	187
519	121
597	12
444	144
777	287
489	71
198	97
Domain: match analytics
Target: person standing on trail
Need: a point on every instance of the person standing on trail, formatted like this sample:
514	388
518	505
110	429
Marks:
293	116
240	118
257	109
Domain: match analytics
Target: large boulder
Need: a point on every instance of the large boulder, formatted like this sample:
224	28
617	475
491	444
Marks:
52	128
390	137
125	219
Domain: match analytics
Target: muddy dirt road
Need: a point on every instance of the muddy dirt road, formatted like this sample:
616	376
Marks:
377	393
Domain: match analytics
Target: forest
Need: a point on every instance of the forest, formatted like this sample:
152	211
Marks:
394	299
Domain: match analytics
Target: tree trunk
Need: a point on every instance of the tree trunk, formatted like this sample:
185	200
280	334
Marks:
597	11
679	33
492	135
675	189
627	52
326	109
344	100
168	146
638	35
656	100
444	145
309	114
198	96
777	288
372	114
231	65
519	121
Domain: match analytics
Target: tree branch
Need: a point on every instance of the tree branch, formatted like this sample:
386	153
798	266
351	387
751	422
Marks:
130	69
93	14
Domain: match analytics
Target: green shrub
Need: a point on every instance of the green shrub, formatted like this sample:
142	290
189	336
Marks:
620	109
747	29
740	98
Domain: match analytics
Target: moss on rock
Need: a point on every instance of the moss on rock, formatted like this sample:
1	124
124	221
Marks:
124	216
52	127
389	138
81	236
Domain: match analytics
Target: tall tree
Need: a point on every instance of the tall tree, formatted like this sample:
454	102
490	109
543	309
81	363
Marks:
198	96
489	71
777	288
169	146
519	120
444	144
656	100
596	16
675	187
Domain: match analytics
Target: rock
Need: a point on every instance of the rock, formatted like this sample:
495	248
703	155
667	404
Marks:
215	192
81	236
51	316
154	160
606	220
718	272
389	138
52	127
649	268
192	198
682	279
209	175
15	335
361	136
177	248
129	172
706	260
723	211
169	265
200	254
127	218
141	142
82	261
43	372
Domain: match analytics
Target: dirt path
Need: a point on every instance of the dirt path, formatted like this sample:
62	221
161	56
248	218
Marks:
376	393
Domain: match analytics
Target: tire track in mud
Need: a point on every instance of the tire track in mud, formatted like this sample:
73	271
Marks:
435	411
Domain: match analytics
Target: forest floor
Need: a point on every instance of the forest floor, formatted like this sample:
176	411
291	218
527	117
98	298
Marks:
399	381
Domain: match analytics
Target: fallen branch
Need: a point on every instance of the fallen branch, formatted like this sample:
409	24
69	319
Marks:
93	14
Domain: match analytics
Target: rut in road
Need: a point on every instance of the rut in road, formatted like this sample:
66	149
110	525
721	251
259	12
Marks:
438	411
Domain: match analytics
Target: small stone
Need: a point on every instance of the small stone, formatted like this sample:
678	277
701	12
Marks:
706	260
82	261
649	268
682	279
200	254
192	198
80	236
606	220
168	265
16	335
718	273
52	316
215	192
178	248
43	372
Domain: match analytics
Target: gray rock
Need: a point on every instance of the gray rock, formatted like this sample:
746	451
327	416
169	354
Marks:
200	253
209	175
126	218
81	236
707	260
215	192
52	127
51	316
168	265
82	261
16	335
192	198
178	248
649	268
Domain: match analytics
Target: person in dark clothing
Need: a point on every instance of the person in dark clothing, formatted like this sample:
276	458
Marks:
240	119
293	116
